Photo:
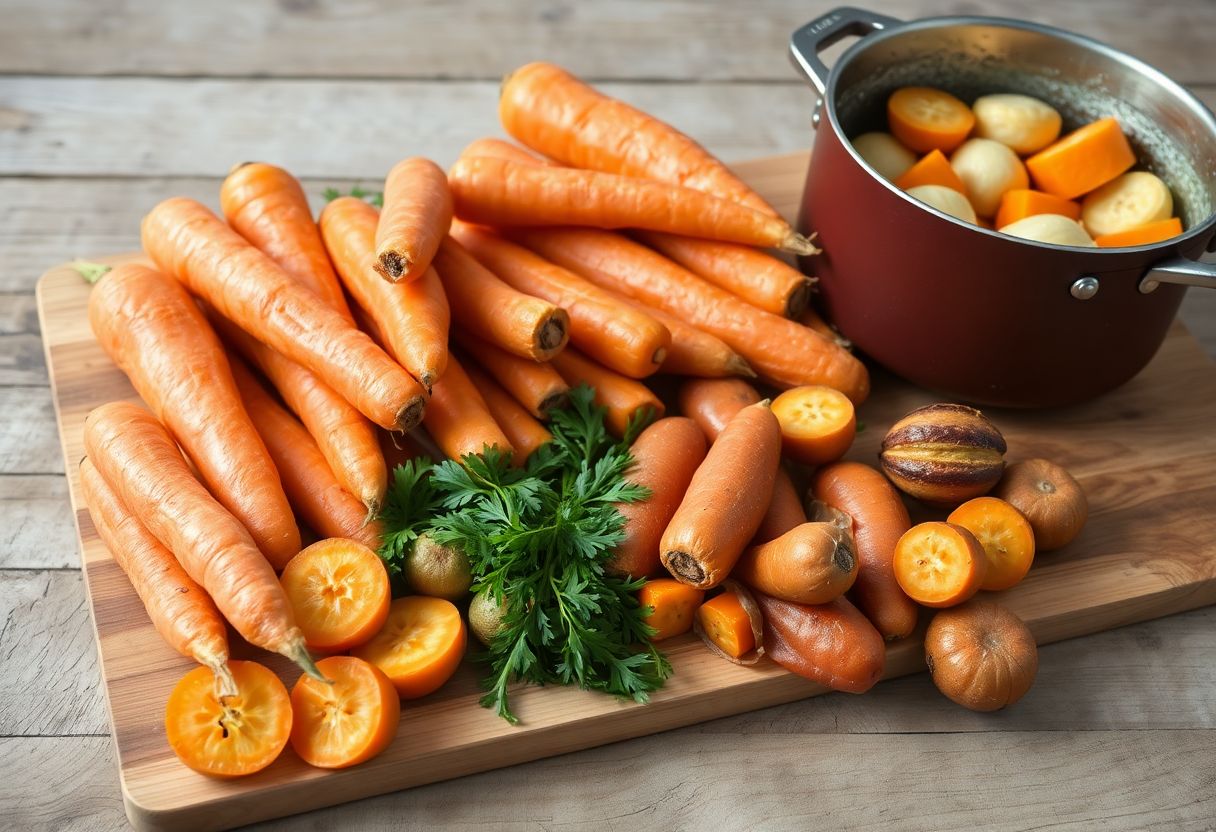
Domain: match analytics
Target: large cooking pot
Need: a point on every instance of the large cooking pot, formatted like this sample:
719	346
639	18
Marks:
970	312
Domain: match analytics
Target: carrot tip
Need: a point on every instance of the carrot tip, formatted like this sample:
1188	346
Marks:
798	244
553	401
299	654
739	367
411	415
552	334
393	264
798	300
685	567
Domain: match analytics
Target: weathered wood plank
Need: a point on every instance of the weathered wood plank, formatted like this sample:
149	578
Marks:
482	39
29	443
37	532
59	784
21	360
18	313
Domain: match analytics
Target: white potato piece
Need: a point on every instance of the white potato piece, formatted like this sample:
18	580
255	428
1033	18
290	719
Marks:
884	153
1024	124
988	169
1126	202
1050	228
945	199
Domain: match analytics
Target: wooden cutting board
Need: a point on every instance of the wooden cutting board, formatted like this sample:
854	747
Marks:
1145	455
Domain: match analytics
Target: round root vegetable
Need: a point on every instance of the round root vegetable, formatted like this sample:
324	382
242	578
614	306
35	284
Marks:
417	213
1130	201
339	590
437	570
988	169
943	454
731	625
817	423
924	119
348	721
1004	533
672	606
1049	498
814	563
946	200
939	564
831	644
419	647
981	655
1050	228
884	153
1024	124
624	398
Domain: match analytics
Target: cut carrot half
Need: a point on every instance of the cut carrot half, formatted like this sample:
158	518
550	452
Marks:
933	169
1153	232
817	423
339	591
925	119
1083	160
726	623
348	721
420	646
1005	535
672	606
1020	203
939	564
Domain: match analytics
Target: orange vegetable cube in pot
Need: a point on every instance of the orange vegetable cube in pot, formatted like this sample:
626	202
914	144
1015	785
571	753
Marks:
1019	203
1153	232
673	605
1083	160
933	169
925	119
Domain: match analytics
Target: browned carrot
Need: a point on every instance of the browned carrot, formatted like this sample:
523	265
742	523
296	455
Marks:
725	501
535	385
785	510
618	336
831	644
458	419
624	398
267	206
141	463
182	612
416	216
524	432
812	563
189	242
412	317
492	191
781	351
157	335
311	487
521	324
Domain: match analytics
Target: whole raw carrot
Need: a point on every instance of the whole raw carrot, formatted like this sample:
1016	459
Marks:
412	317
458	419
189	242
417	213
179	608
535	385
267	206
492	191
614	334
781	351
556	114
311	486
624	398
811	319
665	457
785	511
812	563
482	303
693	352
141	463
831	644
725	501
157	335
522	429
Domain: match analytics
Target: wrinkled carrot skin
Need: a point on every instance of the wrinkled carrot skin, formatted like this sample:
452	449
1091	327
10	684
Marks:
267	206
781	351
156	334
812	563
535	385
623	397
458	419
141	463
616	335
522	429
785	511
190	243
665	456
482	303
412	317
832	644
311	487
556	114
417	213
692	352
725	501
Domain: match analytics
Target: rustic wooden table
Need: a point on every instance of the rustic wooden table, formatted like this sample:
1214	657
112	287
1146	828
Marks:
107	107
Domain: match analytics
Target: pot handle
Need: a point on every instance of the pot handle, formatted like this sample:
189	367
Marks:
808	41
1179	270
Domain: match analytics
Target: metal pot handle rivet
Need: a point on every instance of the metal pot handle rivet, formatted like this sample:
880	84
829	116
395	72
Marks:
1084	288
808	41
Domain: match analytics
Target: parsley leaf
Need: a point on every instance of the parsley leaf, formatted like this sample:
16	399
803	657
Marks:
374	197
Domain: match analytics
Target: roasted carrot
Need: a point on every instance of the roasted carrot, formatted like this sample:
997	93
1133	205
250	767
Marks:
625	398
831	644
413	318
182	612
672	606
141	463
812	563
521	324
267	206
157	335
785	510
781	351
665	456
725	501
556	114
522	430
498	192
189	242
535	385
458	419
312	488
618	336
417	213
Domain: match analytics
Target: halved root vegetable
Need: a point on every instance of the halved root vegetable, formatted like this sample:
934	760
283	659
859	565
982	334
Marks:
1133	200
813	563
988	169
1021	123
1083	160
885	154
830	644
625	398
817	424
932	169
939	564
419	647
673	606
946	200
235	736
348	721
1019	203
339	590
459	420
1153	232
924	119
417	213
522	429
1006	536
1050	228
731	624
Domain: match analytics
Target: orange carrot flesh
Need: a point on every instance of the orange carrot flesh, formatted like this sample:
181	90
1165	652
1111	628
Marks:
189	242
267	206
482	303
830	644
417	213
1153	232
536	385
618	336
156	334
413	318
458	419
556	114
624	398
726	623
672	607
1083	160
932	169
926	119
1020	203
522	429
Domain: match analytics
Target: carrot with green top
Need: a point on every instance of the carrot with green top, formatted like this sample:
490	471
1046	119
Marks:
417	213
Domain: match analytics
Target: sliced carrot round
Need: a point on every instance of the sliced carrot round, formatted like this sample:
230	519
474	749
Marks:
925	119
817	423
420	645
241	735
673	605
347	722
939	564
1006	536
340	593
725	622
